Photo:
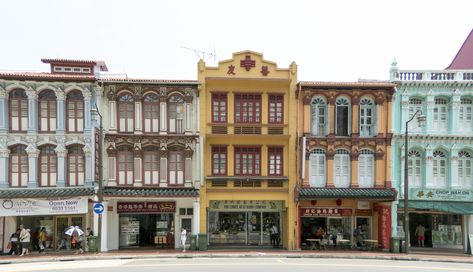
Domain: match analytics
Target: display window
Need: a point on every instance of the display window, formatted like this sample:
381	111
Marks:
138	230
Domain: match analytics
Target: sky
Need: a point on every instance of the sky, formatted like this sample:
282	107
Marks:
336	40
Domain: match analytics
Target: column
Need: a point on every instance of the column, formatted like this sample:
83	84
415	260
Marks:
354	169
330	169
104	234
87	107
138	116
61	112
355	116
32	111
163	115
331	110
3	111
89	166
4	156
381	119
61	153
429	126
163	169
428	166
33	154
307	115
188	98
196	219
455	116
452	181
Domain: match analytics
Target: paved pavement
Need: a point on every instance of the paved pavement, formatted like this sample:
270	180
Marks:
151	254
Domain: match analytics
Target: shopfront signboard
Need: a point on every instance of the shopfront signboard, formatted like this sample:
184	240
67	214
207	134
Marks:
441	195
130	227
34	206
245	205
146	207
384	223
309	212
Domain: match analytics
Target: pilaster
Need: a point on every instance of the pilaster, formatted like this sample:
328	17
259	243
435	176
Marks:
61	111
61	153
4	156
430	114
32	111
89	165
33	154
3	111
196	216
163	115
455	117
87	107
428	166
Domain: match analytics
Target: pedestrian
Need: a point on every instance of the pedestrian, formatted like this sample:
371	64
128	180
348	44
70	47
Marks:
183	239
88	233
274	235
77	241
14	243
25	240
420	233
42	237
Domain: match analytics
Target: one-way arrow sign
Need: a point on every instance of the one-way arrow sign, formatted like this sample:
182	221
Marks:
98	208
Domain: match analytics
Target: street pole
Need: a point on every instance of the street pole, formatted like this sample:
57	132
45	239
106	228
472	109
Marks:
421	119
100	189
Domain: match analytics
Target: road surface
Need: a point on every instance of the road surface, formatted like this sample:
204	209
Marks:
236	265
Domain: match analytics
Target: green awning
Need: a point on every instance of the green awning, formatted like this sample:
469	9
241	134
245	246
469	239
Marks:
46	192
150	192
441	206
351	193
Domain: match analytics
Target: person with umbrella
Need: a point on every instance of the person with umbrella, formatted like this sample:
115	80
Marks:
77	237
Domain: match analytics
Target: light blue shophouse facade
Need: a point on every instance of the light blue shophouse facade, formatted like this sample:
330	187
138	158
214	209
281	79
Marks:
440	154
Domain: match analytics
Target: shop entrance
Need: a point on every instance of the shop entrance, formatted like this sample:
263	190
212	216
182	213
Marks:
242	228
416	219
333	229
141	230
61	224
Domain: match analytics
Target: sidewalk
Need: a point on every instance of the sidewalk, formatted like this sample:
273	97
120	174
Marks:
149	254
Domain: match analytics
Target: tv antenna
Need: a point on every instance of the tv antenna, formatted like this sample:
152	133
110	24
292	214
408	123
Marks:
203	54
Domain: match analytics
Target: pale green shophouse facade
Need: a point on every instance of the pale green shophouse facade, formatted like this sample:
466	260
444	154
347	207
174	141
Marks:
440	152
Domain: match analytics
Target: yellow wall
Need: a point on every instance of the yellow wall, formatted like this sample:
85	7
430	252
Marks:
278	81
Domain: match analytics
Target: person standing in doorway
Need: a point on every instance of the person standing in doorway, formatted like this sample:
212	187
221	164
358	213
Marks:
420	233
42	237
183	239
274	236
25	240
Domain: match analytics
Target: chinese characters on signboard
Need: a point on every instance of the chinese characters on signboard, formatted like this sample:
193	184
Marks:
146	207
308	212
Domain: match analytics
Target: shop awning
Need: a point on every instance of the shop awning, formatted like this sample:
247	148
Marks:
46	192
351	193
441	206
150	192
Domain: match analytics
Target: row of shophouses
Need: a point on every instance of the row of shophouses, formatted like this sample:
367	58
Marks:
243	147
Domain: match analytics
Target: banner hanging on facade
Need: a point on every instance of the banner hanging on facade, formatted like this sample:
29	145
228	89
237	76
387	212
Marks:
33	206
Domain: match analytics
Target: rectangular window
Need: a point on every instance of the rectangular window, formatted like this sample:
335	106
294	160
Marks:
247	108
276	108
219	108
248	161
275	161
176	168
219	160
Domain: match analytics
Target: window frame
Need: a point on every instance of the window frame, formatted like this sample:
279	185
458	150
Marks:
463	114
415	104
21	155
126	105
318	103
414	156
465	179
51	154
348	119
275	101
239	100
153	152
125	151
342	154
367	156
315	156
439	181
78	156
366	105
76	111
276	151
21	97
151	104
178	129
440	104
50	106
239	151
221	100
177	153
219	151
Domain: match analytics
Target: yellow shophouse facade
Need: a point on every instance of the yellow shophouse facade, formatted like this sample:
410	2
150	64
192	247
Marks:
248	125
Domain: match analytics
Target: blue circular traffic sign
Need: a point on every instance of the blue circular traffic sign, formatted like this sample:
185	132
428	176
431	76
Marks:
98	208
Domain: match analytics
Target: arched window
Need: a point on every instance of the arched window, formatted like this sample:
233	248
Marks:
125	166
317	168
366	169
464	169
342	169
47	111
176	168
439	170
151	166
415	104
415	168
126	113
466	106
342	118
75	111
48	166
176	114
18	166
367	113
151	112
319	116
18	110
440	115
75	165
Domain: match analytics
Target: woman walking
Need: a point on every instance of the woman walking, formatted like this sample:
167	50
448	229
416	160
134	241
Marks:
25	240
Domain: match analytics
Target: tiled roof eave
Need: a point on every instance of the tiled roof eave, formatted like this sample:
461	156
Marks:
150	192
350	193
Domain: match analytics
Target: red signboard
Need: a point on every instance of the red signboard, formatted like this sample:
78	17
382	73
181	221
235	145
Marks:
384	229
146	207
309	212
